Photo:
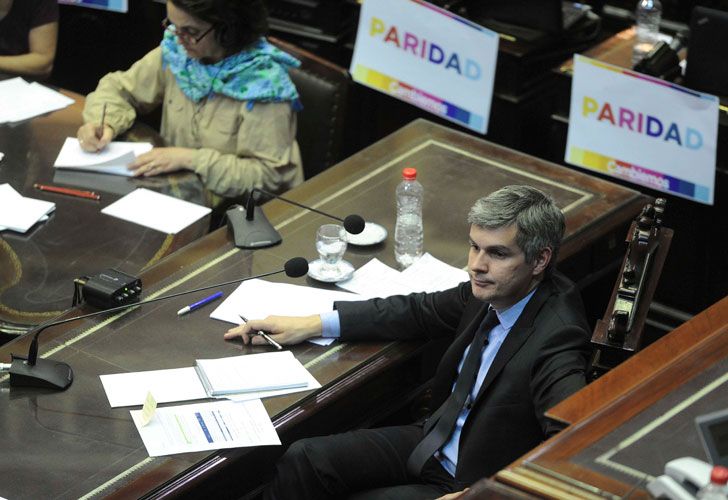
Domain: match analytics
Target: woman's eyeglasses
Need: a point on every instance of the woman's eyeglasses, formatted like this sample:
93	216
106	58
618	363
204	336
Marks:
185	34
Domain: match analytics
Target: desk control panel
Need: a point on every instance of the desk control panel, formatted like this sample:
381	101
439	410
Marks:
109	288
619	333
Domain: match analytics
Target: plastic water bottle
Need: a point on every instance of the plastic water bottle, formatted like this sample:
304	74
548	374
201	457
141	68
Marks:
408	232
716	488
648	15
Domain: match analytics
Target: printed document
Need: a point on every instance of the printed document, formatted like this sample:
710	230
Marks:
113	159
206	426
157	211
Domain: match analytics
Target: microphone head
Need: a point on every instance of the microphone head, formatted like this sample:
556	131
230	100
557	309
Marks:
296	267
354	224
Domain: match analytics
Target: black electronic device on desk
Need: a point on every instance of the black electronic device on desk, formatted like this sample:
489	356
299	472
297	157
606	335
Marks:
109	288
620	333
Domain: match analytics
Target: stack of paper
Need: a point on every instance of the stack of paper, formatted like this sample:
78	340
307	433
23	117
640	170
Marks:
19	213
250	376
20	100
113	159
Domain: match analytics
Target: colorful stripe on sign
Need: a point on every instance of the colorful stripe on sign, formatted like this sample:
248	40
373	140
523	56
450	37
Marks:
638	175
418	97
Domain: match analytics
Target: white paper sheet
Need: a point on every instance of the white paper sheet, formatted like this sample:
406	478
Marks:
426	274
20	100
130	389
19	213
113	159
157	211
206	426
256	299
376	279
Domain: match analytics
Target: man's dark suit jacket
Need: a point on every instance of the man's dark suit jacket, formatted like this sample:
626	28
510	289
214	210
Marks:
542	361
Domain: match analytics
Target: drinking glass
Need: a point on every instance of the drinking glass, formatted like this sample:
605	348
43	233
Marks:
331	245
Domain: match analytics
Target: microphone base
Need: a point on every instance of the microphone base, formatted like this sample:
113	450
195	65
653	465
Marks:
45	373
256	233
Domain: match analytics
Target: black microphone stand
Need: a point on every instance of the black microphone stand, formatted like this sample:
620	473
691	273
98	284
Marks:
252	229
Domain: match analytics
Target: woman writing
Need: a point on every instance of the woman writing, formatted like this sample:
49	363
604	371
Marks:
227	101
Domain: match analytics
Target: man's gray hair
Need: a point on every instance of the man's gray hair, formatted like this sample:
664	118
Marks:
539	221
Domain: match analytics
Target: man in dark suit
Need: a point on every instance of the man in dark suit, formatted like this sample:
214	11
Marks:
519	346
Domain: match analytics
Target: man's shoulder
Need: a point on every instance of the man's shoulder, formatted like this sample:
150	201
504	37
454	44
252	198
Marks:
564	304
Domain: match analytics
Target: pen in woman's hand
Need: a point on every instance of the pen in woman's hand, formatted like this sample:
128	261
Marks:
100	130
264	335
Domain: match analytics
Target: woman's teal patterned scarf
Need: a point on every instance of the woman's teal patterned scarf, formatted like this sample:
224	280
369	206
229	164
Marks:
259	73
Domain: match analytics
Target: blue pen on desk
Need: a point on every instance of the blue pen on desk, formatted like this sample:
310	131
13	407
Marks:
199	303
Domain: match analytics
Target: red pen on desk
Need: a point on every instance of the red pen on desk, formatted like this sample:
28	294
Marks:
78	193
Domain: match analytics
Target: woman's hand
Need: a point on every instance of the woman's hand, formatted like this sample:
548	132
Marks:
162	160
282	329
92	138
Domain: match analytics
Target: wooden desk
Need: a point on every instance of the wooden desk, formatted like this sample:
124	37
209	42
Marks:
83	446
37	268
633	420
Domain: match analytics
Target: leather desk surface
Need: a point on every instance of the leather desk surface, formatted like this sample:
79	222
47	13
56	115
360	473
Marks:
70	444
37	268
627	424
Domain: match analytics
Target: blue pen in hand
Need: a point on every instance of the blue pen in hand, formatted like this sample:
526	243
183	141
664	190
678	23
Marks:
199	303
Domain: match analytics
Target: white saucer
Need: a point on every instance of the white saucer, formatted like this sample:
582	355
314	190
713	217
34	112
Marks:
373	233
345	271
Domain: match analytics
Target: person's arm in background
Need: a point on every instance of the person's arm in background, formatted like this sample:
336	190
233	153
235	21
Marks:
139	89
38	62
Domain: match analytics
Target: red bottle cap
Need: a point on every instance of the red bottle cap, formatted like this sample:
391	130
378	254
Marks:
719	474
409	174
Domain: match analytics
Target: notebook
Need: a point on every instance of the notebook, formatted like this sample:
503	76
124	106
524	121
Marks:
113	159
249	373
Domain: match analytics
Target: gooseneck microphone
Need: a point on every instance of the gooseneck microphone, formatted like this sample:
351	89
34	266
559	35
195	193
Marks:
251	228
34	372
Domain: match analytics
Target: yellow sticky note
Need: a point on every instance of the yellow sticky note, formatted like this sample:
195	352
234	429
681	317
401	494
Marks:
150	406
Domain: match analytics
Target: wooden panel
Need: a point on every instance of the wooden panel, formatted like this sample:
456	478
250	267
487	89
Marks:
631	421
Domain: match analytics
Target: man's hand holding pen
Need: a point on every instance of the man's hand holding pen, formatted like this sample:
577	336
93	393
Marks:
284	330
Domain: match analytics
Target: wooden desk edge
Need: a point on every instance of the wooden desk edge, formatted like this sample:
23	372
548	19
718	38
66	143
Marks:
699	334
